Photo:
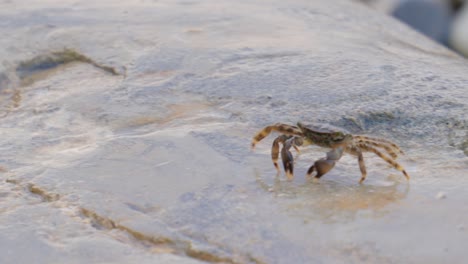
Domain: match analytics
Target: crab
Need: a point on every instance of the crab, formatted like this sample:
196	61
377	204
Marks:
339	142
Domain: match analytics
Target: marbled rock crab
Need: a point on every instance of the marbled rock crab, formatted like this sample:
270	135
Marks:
339	142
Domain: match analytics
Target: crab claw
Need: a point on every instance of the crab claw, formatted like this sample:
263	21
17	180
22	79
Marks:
324	165
288	162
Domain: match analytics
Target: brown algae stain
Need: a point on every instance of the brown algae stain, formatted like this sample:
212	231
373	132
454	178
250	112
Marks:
47	197
176	112
11	97
16	98
162	244
156	74
142	121
2	170
211	258
30	71
97	220
185	110
194	31
208	257
12	181
42	66
155	244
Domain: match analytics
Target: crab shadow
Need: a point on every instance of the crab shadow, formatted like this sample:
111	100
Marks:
334	200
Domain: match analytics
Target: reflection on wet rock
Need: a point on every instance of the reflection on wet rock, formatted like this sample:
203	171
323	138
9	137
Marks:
331	201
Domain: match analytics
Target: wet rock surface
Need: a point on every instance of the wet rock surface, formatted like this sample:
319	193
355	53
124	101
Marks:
136	148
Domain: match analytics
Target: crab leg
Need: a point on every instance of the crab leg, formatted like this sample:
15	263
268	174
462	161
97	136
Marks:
366	139
286	156
281	128
324	165
275	149
388	149
362	166
390	161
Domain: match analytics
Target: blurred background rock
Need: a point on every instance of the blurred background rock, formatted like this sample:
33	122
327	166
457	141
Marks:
445	21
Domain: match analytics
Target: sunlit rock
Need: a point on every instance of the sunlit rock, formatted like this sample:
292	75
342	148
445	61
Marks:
126	130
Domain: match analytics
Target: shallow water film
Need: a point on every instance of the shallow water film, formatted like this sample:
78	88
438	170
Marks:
126	130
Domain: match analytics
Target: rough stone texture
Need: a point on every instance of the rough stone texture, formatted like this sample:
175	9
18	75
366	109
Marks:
153	164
